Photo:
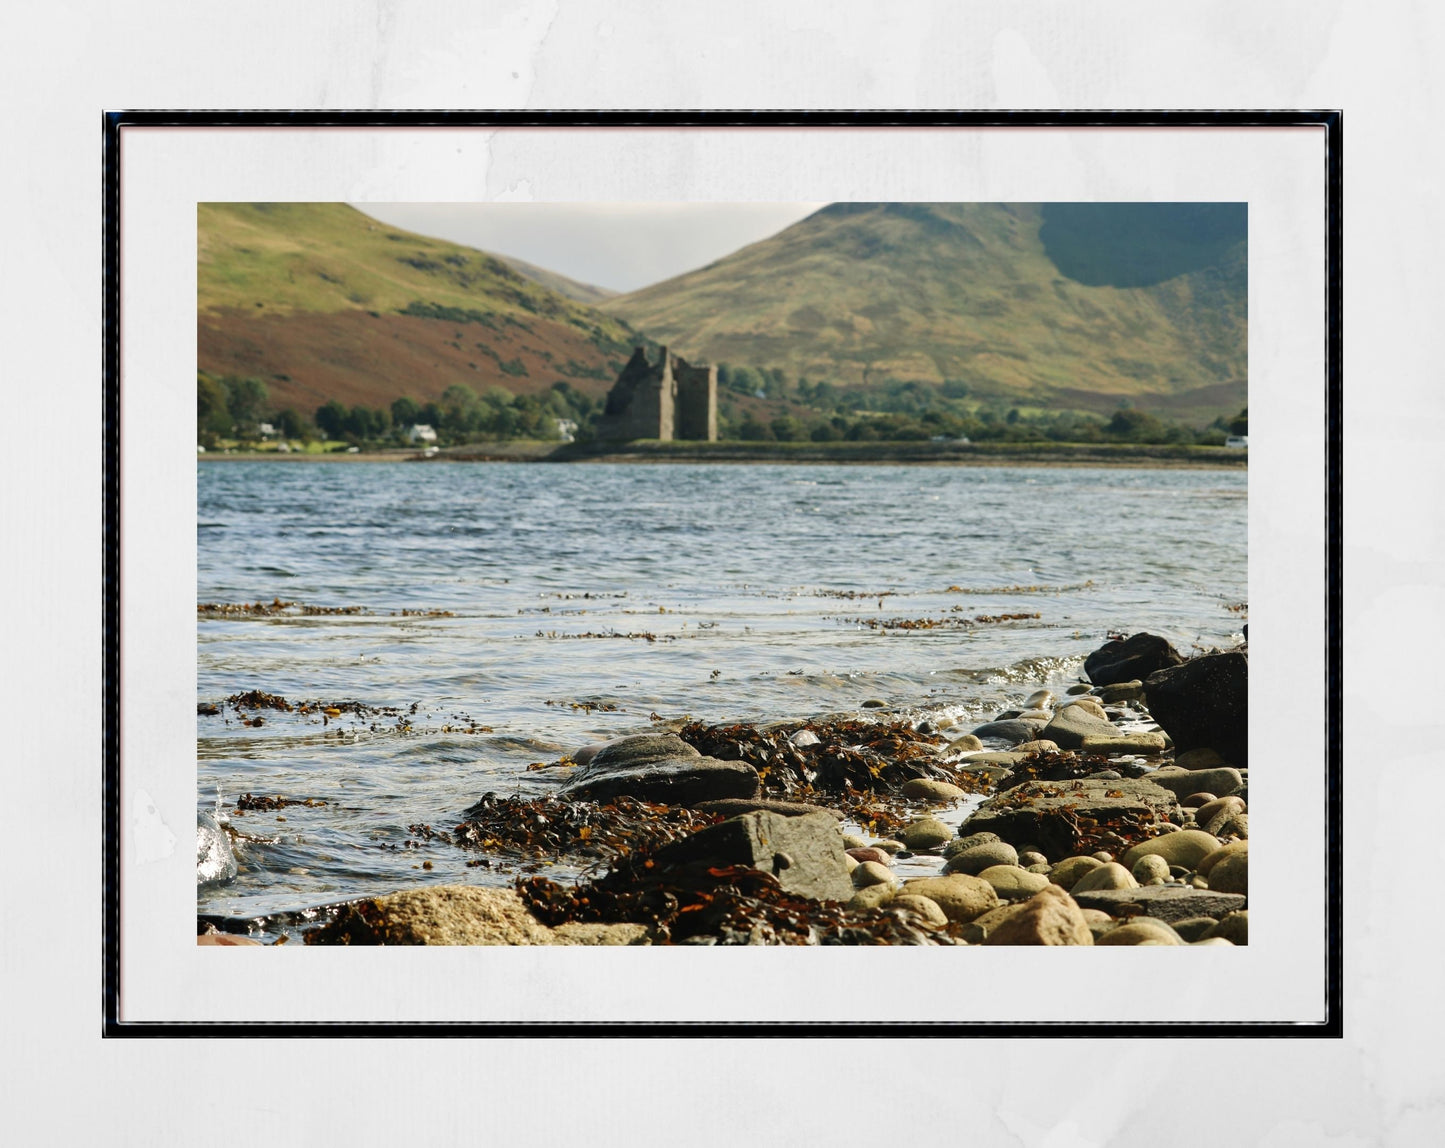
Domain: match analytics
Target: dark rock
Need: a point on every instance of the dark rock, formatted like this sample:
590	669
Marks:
1011	730
1166	902
1049	816
734	806
1204	702
804	853
661	768
1133	658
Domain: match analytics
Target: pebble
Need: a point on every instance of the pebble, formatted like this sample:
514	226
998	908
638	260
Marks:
1102	855
1041	867
1192	929
1211	941
1071	869
888	845
1050	917
1198	800
853	841
804	737
868	853
1232	927
1150	867
1218	813
959	844
1032	857
977	858
870	897
1141	931
926	833
1011	730
961	897
925	907
925	789
966	743
1110	875
1207	865
1078	688
1012	883
1231	875
851	861
1039	700
1107	775
1120	691
1182	782
1036	715
872	873
874	704
1038	745
1201	758
1185	847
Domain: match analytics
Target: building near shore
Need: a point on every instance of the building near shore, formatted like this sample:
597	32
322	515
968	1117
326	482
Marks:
666	400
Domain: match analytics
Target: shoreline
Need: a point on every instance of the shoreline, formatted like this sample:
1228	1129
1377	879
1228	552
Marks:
797	454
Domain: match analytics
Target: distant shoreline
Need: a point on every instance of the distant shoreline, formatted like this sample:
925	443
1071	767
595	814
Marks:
812	454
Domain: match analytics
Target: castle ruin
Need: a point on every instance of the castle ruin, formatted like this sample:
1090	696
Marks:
664	400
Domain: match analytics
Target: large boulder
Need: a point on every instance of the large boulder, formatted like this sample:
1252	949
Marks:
1128	659
1048	815
440	915
805	853
1204	702
661	768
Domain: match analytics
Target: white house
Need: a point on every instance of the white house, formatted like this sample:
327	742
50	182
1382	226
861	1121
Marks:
566	429
421	432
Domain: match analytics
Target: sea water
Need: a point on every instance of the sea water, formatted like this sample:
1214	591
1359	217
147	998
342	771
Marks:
500	615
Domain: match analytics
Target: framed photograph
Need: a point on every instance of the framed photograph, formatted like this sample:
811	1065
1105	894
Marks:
689	573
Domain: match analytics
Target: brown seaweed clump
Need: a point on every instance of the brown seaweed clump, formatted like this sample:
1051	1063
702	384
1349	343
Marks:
553	827
861	756
728	905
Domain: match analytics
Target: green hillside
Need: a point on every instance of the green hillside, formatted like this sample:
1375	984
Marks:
1063	305
322	302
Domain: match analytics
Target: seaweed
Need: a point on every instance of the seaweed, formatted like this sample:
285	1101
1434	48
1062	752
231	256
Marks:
551	826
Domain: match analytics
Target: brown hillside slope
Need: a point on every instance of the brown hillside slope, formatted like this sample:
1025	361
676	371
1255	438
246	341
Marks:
321	302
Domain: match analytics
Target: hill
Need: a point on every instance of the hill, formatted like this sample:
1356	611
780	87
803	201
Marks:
322	302
556	281
1065	305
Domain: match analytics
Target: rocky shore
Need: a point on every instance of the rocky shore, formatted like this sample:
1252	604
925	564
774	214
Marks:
1114	814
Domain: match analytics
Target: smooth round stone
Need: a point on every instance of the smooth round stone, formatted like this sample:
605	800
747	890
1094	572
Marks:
1198	800
923	906
804	737
1102	855
968	743
1085	702
961	897
1206	866
1192	928
1140	931
1041	867
1210	809
926	833
1183	782
1120	691
1039	700
1078	688
980	857
925	789
873	704
1031	857
1232	927
1036	715
1038	745
868	853
888	845
1150	867
1106	775
853	841
872	873
870	897
1185	847
1072	869
1011	730
1012	883
1231	875
1110	875
1211	941
851	861
959	844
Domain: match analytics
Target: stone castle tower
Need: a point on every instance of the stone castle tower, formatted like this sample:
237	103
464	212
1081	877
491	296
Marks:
664	400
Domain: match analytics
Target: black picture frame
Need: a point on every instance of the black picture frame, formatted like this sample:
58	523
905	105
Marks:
113	123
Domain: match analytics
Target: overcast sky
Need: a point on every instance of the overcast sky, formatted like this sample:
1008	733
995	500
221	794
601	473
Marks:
623	246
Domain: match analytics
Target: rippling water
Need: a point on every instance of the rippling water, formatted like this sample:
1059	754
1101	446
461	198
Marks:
552	594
